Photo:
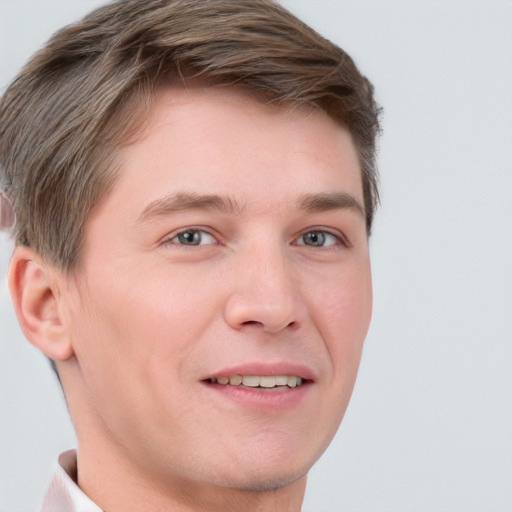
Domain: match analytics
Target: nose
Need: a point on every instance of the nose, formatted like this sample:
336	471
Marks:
264	292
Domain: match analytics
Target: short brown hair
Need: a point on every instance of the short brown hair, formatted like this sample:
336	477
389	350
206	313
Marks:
76	102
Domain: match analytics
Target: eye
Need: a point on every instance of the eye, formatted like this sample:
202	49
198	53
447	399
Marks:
319	238
192	237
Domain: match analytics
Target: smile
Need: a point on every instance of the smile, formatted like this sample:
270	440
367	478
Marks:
255	381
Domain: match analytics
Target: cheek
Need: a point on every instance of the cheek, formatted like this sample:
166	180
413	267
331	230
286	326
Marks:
146	318
343	315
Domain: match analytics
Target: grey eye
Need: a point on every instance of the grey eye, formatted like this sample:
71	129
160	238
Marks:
193	237
190	238
318	239
314	238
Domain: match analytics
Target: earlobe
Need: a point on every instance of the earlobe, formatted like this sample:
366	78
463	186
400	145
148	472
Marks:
34	288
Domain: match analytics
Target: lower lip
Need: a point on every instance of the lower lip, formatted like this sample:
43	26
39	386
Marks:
277	399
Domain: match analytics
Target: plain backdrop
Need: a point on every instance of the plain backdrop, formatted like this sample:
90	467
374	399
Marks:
429	428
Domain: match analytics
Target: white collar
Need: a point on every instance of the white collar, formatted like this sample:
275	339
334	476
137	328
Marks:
64	495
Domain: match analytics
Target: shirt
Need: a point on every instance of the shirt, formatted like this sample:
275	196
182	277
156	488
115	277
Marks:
64	495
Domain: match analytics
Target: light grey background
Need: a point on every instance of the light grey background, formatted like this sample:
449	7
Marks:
430	424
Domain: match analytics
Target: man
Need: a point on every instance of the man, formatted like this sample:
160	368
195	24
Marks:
194	187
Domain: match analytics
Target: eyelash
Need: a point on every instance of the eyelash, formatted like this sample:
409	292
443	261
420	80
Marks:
337	236
170	239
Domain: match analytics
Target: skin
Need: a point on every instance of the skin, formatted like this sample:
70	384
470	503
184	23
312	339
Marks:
280	282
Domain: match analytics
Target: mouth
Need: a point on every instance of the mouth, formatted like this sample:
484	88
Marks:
263	382
267	388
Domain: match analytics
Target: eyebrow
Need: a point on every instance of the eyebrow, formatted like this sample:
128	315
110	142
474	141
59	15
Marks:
169	204
330	201
188	201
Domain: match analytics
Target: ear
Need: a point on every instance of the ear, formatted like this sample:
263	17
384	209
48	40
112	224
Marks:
35	289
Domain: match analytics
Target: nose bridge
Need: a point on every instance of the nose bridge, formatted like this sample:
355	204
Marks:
264	292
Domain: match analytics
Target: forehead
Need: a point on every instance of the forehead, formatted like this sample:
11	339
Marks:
226	124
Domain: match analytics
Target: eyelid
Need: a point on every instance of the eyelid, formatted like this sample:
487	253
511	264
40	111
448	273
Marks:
340	236
344	241
168	239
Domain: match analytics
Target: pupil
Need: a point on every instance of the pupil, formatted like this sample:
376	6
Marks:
314	238
190	238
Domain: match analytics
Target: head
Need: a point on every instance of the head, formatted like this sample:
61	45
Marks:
194	185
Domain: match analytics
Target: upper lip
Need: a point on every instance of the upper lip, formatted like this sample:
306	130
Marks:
263	369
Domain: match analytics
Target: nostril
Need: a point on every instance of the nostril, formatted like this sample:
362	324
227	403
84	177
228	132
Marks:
291	325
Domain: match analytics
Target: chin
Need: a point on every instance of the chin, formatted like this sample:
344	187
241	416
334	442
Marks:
261	476
269	482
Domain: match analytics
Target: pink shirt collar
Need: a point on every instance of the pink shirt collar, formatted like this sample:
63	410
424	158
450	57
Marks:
64	495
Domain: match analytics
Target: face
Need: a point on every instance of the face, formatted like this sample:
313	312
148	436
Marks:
225	292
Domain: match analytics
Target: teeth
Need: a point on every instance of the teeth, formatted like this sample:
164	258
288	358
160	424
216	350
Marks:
250	381
235	380
263	381
267	382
